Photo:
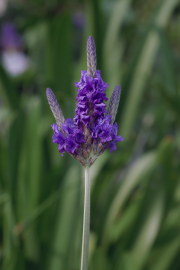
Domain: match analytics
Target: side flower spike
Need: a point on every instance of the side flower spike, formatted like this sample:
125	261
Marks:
114	103
55	108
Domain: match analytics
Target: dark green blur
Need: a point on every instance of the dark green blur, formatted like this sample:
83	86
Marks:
135	192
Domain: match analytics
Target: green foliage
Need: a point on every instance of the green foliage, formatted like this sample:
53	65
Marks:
135	195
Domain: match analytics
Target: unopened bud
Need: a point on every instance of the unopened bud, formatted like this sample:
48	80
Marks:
91	57
55	108
114	103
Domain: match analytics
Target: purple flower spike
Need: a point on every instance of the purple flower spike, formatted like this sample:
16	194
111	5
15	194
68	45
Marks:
92	130
114	103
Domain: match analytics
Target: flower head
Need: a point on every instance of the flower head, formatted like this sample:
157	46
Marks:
92	129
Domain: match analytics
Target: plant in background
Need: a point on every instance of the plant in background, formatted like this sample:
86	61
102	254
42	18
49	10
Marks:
14	60
91	131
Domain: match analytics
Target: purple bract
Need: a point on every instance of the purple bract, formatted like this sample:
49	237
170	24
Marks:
92	130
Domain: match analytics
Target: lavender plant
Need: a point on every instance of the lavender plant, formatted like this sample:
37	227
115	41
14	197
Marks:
91	131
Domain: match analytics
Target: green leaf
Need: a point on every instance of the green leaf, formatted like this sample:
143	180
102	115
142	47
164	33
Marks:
166	255
59	54
29	174
122	225
66	218
168	68
99	261
144	66
4	198
9	239
10	91
113	48
14	150
126	262
149	230
97	30
136	173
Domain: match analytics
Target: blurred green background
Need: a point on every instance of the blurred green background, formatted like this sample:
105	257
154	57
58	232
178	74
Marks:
135	194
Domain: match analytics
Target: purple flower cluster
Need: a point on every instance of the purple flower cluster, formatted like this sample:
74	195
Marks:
10	39
69	139
92	130
103	132
90	99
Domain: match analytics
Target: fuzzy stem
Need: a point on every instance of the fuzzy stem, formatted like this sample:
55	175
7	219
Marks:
86	221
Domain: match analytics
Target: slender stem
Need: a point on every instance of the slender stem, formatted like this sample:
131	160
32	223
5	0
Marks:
86	221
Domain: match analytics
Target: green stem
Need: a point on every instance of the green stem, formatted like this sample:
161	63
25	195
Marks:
86	221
